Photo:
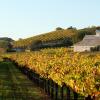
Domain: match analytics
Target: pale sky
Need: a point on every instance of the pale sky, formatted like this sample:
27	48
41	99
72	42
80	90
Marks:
26	18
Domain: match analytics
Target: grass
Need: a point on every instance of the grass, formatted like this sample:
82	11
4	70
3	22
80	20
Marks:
16	86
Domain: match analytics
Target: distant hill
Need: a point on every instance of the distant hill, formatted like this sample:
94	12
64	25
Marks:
6	39
64	35
5	43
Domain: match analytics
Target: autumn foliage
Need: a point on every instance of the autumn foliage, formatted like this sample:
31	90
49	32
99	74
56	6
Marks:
79	71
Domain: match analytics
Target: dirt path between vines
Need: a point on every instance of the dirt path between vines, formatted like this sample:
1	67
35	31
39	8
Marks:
16	86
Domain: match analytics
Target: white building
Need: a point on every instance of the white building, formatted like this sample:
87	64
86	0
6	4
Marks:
88	42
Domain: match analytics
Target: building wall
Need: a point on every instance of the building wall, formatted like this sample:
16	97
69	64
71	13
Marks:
97	32
82	48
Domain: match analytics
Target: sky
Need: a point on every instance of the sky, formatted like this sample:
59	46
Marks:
26	18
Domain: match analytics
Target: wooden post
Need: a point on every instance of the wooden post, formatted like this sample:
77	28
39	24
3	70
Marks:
48	85
41	83
75	96
45	85
38	78
62	92
52	89
68	93
56	91
33	77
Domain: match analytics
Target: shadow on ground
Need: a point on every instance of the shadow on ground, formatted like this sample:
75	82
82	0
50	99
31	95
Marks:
16	86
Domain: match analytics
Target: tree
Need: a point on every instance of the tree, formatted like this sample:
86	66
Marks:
36	44
67	41
71	27
6	39
4	44
59	28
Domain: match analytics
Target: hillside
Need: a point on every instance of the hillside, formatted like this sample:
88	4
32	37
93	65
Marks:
6	39
5	43
73	34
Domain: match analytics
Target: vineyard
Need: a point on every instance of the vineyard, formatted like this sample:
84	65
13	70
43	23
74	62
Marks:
79	71
1	59
73	34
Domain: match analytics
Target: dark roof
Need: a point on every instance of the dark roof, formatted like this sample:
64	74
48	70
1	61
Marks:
89	40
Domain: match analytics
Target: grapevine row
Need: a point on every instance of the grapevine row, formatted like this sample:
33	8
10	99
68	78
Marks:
79	71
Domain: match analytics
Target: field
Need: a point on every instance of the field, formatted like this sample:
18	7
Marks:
16	86
79	71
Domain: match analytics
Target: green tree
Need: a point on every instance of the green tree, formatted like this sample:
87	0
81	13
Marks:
59	28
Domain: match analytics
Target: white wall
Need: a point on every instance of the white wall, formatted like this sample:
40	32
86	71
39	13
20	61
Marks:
82	48
97	32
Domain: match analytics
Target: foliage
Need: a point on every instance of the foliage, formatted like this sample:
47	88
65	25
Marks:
59	28
73	34
79	71
1	59
7	39
71	27
35	44
5	44
55	35
97	48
